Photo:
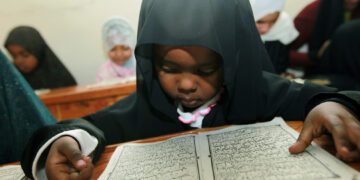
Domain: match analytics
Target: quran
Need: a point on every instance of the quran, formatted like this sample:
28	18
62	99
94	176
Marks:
257	151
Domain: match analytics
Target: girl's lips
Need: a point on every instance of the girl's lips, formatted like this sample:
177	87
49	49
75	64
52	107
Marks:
189	102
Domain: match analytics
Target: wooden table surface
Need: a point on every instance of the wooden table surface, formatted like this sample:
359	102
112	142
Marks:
77	93
324	142
79	101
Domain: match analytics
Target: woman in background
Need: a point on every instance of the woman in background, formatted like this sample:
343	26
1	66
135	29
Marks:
119	43
331	31
277	30
36	61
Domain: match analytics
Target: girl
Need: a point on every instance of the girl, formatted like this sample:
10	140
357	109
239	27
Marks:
277	30
36	61
331	30
119	43
199	64
21	112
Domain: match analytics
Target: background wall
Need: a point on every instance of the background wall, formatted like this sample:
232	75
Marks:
293	7
72	28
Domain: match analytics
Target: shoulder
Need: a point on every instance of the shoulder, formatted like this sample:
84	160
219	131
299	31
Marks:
310	10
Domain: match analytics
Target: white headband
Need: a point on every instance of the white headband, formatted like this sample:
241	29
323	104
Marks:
262	8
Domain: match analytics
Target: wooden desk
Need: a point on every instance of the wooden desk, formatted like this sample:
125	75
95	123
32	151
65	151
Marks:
79	101
100	166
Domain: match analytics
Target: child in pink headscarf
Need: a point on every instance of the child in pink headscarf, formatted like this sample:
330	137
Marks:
119	43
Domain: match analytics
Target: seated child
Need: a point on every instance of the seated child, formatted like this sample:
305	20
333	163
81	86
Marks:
276	29
200	64
330	31
119	43
36	61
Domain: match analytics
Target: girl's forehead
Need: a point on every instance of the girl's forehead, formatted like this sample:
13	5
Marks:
179	54
195	50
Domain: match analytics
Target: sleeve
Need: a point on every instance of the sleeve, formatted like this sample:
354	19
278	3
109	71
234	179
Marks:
350	99
286	98
87	144
43	135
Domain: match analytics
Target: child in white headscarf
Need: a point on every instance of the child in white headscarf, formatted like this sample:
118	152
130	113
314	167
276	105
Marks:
119	43
276	29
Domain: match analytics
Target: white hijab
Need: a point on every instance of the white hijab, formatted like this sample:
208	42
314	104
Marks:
283	30
117	31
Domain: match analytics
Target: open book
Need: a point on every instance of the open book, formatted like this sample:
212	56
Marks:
12	172
258	151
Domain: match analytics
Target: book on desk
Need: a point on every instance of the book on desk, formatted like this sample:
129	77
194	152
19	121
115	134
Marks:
257	151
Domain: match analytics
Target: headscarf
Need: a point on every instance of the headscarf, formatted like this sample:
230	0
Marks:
262	8
204	23
50	72
283	29
21	112
117	31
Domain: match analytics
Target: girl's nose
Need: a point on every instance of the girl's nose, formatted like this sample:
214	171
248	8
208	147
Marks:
187	84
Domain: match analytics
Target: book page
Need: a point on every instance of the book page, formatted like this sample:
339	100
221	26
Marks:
258	151
175	158
12	172
261	152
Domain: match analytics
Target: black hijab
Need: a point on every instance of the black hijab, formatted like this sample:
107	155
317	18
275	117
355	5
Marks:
226	27
50	72
331	14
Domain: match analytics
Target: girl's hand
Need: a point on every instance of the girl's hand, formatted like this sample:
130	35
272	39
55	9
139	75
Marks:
65	161
334	118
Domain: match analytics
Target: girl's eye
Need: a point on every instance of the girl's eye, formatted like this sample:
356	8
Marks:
207	71
25	54
126	48
169	69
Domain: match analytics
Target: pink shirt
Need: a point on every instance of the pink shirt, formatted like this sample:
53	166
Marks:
110	70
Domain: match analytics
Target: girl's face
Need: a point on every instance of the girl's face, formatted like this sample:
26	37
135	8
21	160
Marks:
351	5
23	60
264	24
190	75
120	54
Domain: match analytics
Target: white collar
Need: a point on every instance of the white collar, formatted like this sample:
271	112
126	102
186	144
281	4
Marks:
196	117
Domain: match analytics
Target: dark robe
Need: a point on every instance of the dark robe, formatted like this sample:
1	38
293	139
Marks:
50	72
21	112
278	53
250	94
331	15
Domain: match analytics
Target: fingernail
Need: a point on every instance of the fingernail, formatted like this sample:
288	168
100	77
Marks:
345	149
80	163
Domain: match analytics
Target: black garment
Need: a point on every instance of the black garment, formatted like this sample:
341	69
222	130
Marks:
331	15
50	72
344	51
226	27
21	112
278	53
340	64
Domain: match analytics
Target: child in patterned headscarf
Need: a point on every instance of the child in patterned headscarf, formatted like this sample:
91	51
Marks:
119	42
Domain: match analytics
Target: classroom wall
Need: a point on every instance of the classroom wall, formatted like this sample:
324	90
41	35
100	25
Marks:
72	28
293	7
